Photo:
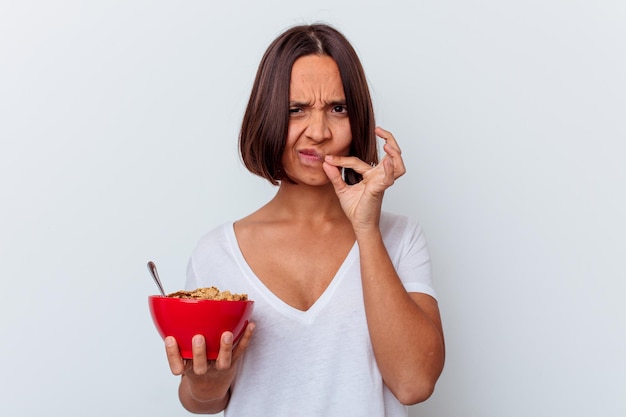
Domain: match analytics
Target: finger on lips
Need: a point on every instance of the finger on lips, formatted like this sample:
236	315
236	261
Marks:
390	147
351	162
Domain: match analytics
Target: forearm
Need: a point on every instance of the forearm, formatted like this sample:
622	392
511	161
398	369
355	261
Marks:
200	404
406	335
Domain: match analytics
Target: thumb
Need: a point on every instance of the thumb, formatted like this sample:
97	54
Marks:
334	175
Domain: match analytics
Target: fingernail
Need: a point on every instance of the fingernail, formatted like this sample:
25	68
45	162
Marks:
228	338
328	157
169	341
197	341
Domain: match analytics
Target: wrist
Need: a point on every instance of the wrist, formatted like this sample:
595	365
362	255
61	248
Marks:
204	397
367	234
201	398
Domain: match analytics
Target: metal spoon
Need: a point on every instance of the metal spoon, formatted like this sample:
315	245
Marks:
153	271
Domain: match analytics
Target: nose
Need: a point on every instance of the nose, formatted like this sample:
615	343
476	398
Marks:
318	129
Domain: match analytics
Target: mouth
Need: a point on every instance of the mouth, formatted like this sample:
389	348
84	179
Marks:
310	155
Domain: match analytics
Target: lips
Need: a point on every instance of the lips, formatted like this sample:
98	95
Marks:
311	155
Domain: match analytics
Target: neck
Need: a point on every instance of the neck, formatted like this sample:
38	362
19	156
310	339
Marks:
309	203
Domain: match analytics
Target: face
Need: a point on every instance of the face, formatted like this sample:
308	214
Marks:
318	119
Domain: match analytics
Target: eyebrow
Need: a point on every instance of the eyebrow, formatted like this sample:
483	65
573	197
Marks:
298	104
334	102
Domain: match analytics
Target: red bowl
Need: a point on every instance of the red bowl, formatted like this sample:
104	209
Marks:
183	318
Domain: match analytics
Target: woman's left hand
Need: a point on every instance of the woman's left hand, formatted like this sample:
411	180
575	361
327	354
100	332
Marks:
362	202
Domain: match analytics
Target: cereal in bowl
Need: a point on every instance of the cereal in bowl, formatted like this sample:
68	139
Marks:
209	293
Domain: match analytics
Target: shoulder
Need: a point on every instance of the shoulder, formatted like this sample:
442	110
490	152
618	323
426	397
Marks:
214	238
212	256
401	234
408	250
396	225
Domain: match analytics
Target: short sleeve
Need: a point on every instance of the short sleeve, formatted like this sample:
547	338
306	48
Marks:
408	249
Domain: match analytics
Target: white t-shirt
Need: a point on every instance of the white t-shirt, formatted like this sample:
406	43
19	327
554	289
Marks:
317	362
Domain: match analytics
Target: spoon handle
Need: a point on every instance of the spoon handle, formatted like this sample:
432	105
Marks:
155	275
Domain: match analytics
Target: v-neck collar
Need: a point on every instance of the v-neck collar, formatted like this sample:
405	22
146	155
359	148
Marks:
305	316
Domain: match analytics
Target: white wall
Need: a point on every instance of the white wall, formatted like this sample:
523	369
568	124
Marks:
118	126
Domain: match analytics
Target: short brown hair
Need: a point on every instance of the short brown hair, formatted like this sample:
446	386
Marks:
266	120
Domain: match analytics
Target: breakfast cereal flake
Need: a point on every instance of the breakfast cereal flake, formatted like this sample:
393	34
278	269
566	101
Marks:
209	293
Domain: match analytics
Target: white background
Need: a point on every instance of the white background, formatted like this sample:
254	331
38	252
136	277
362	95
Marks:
118	127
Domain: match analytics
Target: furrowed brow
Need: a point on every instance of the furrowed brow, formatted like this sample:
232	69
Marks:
299	104
337	102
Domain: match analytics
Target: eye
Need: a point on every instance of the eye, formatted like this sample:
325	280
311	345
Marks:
294	110
340	108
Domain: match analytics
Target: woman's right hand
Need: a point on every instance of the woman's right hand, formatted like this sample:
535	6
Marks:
205	384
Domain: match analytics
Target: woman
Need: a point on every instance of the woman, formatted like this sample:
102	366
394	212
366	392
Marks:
345	320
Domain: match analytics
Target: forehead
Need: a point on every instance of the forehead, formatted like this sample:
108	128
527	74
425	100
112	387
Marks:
313	71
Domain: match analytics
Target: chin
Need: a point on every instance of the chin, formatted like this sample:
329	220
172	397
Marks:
312	181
